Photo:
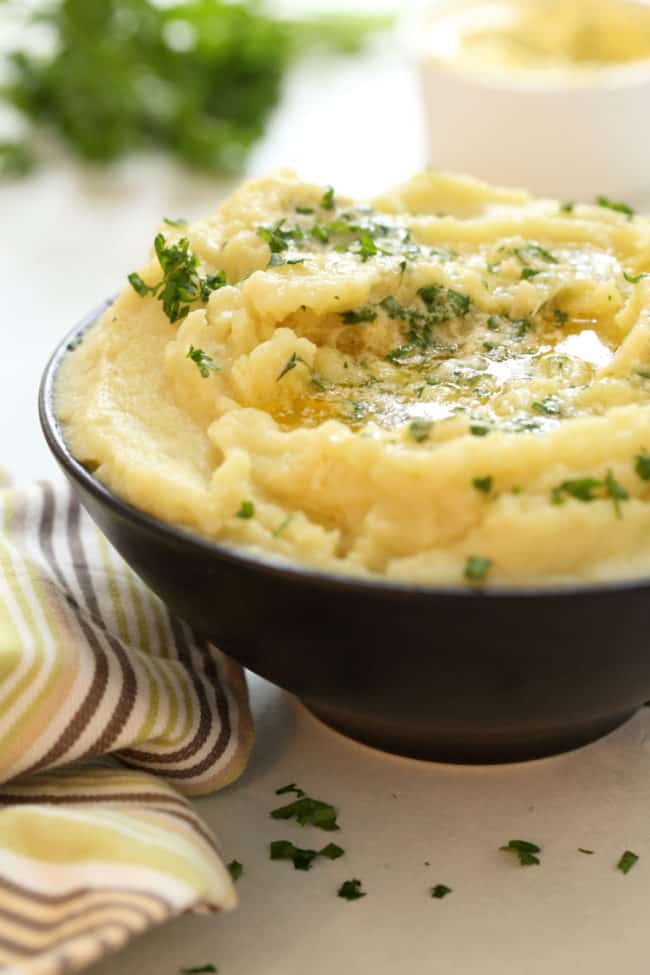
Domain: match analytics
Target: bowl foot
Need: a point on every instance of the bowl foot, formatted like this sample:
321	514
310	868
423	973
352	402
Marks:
466	745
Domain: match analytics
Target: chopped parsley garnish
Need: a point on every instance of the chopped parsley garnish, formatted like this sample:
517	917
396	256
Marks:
483	484
302	859
479	430
292	787
586	488
440	891
634	278
568	207
521	327
281	527
617	206
493	323
627	861
444	303
203	361
235	869
367	247
353	411
549	406
178	222
247	510
350	890
524	850
304	210
309	812
537	251
181	283
561	317
392	307
356	315
277	260
529	272
476	568
327	202
198	970
582	489
581	849
642	466
419	430
290	364
615	491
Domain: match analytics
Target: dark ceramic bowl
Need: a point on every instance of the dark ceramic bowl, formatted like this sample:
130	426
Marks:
449	674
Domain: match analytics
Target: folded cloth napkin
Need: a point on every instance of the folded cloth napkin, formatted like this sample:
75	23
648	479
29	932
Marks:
92	664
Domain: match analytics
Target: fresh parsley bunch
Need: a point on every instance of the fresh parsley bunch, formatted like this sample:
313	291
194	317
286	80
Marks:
196	78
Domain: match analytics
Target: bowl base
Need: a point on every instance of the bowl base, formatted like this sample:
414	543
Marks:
466	745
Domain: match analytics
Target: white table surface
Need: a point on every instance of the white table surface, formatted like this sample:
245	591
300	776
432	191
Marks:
69	235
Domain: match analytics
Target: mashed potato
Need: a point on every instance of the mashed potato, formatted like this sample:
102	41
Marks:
450	385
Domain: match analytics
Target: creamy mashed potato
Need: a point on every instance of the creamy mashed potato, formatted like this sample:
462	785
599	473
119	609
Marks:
450	385
541	35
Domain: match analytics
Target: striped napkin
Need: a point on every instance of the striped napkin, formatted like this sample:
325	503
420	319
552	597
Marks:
95	850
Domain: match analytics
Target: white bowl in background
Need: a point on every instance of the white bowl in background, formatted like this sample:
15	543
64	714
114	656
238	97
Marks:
569	134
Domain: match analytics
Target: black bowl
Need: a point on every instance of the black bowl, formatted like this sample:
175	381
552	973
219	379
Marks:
450	674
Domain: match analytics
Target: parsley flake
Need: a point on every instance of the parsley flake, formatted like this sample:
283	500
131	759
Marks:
634	278
309	812
290	364
292	787
204	363
367	247
235	869
581	849
627	861
302	859
568	207
476	568
350	890
529	272
178	222
440	891
304	210
617	206
524	850
582	489
561	317
483	484
354	316
549	406
642	466
616	492
327	201
479	430
419	430
247	510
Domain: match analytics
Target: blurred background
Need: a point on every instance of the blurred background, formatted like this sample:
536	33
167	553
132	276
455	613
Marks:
133	110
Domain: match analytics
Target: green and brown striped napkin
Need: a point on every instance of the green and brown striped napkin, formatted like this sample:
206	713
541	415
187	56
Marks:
92	665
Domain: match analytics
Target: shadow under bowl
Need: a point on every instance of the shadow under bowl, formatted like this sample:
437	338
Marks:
450	674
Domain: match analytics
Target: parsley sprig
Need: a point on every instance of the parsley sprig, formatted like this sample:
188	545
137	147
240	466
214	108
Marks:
181	283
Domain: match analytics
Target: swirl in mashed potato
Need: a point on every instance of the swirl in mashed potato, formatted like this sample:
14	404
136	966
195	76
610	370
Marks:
449	385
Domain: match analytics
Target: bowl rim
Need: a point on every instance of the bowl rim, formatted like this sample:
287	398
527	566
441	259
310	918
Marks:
292	572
